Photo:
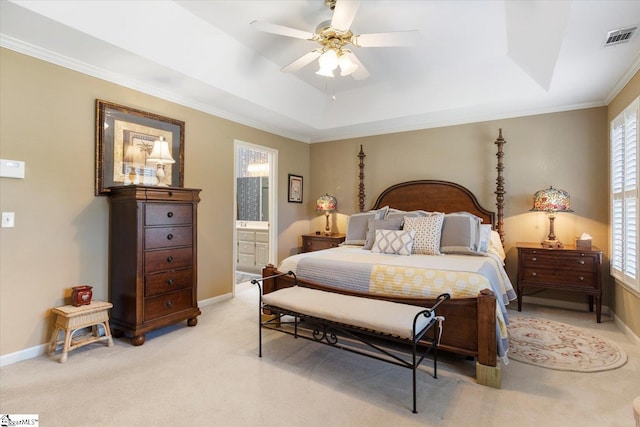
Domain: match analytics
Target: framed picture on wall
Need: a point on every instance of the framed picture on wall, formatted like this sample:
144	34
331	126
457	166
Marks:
295	189
125	141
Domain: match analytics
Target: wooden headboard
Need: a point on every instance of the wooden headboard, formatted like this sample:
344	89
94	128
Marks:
434	196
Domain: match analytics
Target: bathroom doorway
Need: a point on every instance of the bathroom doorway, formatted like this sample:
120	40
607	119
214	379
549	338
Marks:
255	210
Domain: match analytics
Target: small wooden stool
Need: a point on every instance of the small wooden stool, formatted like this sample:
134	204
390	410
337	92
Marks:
70	319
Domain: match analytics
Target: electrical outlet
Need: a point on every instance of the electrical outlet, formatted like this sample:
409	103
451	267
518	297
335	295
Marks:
8	219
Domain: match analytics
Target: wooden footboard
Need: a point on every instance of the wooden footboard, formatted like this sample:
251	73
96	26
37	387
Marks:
470	322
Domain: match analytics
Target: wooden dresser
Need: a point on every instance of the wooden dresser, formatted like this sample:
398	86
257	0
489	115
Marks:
153	254
570	269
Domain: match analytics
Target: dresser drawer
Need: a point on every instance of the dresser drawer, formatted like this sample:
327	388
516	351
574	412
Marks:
246	247
168	281
168	214
532	276
246	235
575	262
169	259
162	237
262	237
166	304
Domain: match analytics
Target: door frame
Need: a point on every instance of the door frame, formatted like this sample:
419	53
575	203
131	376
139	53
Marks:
273	200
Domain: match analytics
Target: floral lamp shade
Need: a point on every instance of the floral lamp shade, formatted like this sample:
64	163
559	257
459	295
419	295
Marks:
551	200
326	204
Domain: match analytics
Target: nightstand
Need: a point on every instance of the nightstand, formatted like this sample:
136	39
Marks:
569	269
316	242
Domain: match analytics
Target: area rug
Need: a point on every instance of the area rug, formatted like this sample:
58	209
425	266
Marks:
555	345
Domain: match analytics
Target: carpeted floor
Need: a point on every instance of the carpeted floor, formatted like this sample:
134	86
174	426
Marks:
211	375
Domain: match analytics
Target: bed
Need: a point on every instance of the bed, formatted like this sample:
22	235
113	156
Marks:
476	317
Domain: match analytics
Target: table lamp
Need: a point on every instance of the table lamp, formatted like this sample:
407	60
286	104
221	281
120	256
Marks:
551	200
160	155
327	204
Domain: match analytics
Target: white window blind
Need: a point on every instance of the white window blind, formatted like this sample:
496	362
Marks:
624	196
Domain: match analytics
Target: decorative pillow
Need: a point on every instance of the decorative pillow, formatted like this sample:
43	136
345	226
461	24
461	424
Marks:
381	224
460	234
397	242
485	237
357	225
428	232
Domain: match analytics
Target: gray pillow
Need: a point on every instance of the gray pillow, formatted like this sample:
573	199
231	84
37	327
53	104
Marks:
357	225
380	224
460	234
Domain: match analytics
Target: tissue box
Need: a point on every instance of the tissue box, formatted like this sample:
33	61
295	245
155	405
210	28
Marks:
583	244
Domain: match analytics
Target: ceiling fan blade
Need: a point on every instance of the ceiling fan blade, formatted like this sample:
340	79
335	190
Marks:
268	27
360	73
398	38
302	61
344	13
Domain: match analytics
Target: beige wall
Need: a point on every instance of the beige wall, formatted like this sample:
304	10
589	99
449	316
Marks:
47	119
626	303
568	150
60	237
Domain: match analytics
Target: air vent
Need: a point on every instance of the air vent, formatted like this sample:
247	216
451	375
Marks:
622	35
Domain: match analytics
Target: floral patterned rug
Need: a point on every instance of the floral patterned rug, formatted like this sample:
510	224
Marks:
555	345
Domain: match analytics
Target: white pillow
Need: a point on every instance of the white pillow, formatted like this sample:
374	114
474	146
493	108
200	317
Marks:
428	232
485	237
397	242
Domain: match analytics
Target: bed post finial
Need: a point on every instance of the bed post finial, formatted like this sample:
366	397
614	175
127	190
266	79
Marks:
361	156
500	185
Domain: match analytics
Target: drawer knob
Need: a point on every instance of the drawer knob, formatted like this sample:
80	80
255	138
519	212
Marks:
581	262
170	214
169	304
170	237
170	259
534	259
534	274
170	282
581	278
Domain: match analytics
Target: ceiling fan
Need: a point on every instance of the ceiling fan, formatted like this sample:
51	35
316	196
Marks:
334	36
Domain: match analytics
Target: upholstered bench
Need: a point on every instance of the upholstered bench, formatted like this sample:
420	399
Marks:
365	320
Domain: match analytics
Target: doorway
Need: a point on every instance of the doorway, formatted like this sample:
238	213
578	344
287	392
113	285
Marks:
255	210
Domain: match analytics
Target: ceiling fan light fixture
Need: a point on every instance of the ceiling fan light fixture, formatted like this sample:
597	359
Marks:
346	65
325	72
328	60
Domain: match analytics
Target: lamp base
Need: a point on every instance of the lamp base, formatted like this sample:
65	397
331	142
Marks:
553	244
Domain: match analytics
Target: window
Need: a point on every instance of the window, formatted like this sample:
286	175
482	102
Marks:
624	196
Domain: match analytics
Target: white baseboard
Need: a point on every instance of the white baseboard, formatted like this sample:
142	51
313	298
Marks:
19	356
628	332
39	350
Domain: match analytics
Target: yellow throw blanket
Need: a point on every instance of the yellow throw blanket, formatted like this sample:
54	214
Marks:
410	281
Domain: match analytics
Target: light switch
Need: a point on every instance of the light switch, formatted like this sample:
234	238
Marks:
8	219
